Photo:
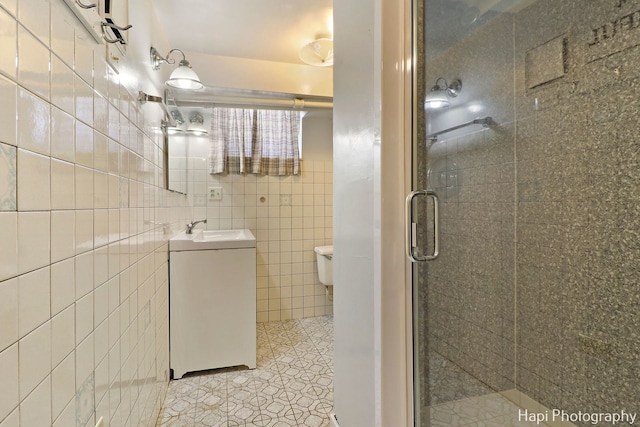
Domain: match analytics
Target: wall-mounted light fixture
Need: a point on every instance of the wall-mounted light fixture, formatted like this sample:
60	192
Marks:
318	53
439	95
177	118
182	77
196	124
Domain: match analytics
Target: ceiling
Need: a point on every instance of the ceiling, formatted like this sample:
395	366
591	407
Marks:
270	30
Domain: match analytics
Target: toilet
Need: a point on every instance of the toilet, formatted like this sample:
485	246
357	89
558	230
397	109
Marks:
324	257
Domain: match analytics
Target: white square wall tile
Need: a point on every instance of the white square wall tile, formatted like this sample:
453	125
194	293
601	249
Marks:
34	174
100	152
84	144
9	246
114	121
84	274
33	66
84	101
100	304
84	317
115	258
84	187
63	195
84	363
8	44
62	235
8	106
100	114
84	56
67	417
100	190
62	135
114	226
101	77
35	410
35	359
84	230
114	191
8	313
101	342
63	385
34	296
102	389
34	117
9	396
100	227
35	15
63	337
63	285
33	240
62	34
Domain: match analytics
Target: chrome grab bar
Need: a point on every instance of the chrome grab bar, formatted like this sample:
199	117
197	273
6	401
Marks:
411	227
486	123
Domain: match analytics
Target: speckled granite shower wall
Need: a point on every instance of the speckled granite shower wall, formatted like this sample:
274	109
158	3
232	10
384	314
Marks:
578	211
540	267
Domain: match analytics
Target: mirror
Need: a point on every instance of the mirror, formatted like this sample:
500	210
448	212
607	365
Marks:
176	150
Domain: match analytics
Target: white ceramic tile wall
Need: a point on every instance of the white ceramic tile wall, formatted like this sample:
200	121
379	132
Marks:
289	217
83	259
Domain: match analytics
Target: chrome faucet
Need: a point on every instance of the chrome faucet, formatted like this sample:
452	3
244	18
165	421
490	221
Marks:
193	224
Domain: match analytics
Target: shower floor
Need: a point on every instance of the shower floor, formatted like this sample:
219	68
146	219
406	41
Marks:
447	382
490	410
504	409
458	399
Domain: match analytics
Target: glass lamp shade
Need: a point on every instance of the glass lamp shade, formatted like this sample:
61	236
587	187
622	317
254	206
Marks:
184	77
318	53
436	99
197	130
173	130
196	125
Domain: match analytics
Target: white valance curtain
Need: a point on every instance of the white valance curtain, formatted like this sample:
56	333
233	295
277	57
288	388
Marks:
261	142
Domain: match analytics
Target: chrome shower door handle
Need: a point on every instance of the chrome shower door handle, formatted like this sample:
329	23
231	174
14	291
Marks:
411	227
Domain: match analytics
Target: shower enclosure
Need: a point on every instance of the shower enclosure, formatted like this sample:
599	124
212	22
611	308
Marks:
533	302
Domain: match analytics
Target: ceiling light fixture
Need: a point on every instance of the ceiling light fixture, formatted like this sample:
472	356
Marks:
182	77
318	53
196	124
439	96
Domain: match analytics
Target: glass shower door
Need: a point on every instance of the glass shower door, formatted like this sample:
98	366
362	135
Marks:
529	314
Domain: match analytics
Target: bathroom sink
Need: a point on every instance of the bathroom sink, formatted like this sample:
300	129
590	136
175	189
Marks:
212	239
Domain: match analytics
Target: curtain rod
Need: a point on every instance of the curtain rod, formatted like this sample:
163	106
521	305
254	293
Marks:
235	101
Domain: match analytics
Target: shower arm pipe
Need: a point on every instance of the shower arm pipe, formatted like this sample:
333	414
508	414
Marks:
485	122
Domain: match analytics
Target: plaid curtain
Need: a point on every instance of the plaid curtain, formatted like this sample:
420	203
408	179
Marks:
263	142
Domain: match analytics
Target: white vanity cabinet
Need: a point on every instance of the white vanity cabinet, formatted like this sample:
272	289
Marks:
212	304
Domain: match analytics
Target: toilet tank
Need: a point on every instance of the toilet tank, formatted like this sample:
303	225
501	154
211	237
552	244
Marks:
324	257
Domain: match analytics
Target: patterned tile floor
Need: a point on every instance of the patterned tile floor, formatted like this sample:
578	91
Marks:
291	386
